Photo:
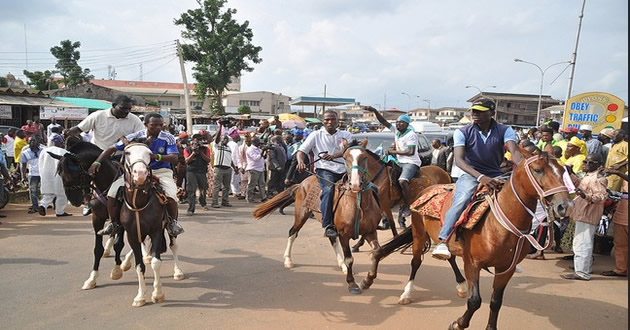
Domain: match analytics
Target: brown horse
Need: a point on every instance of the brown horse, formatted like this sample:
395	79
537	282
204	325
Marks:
497	240
306	197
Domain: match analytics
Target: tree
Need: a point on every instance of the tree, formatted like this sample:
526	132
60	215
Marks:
42	81
67	63
4	82
221	48
244	109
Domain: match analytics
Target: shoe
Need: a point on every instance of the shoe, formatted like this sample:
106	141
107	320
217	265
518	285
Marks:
240	197
64	215
110	229
206	208
518	269
406	211
263	200
189	214
174	228
226	204
384	227
216	206
42	211
441	252
613	273
331	232
558	249
86	210
567	257
573	268
573	277
31	211
402	225
251	201
183	202
538	255
281	211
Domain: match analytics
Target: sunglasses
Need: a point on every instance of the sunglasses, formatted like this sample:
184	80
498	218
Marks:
589	162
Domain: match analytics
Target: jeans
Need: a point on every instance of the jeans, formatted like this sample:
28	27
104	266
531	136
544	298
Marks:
196	181
326	181
583	249
465	187
33	188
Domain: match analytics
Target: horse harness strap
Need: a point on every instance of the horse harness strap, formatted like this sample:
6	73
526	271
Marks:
136	210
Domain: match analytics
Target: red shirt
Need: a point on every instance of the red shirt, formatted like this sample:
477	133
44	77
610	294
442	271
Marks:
29	130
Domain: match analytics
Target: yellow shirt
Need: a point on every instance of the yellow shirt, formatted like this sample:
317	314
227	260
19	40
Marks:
577	162
617	154
17	148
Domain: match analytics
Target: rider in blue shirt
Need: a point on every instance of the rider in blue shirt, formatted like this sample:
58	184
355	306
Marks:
164	151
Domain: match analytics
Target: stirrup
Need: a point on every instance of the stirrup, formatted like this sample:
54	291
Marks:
110	229
174	228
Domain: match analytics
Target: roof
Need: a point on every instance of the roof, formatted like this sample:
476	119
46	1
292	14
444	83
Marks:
328	101
512	97
86	103
135	85
33	101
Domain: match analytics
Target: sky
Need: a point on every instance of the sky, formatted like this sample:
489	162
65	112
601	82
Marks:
387	53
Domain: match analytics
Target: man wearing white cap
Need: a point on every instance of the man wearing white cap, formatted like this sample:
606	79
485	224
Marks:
593	146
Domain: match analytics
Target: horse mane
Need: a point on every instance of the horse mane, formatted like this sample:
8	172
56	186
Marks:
356	143
85	150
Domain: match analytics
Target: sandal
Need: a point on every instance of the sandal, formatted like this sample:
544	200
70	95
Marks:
613	273
572	277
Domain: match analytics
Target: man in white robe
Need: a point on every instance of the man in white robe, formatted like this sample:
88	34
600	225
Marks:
51	184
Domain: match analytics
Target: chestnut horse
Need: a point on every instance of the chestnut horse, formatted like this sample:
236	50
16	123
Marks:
389	195
499	239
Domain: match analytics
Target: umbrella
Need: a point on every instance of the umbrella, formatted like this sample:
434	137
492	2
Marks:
287	116
293	124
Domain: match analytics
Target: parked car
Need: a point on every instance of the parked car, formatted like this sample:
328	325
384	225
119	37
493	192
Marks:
378	142
5	129
211	128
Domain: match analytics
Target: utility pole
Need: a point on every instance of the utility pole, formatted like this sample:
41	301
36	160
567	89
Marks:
574	55
140	71
186	98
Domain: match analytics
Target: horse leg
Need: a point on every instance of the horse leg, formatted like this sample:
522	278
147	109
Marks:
462	288
139	300
117	272
367	282
108	247
355	248
299	219
339	254
390	220
500	282
126	264
178	274
90	283
156	264
353	288
419	237
146	256
474	297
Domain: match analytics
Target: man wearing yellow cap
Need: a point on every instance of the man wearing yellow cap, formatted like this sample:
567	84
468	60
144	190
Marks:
617	159
406	151
478	150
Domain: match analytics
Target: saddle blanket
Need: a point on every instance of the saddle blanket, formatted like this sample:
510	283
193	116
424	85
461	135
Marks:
437	199
312	200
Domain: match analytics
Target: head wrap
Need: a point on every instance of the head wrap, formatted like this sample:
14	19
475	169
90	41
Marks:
57	138
607	132
183	135
580	144
233	132
405	118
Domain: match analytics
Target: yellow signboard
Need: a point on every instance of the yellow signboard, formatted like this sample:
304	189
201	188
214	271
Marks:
600	110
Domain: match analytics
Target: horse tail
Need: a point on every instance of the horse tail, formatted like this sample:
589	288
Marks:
400	242
284	198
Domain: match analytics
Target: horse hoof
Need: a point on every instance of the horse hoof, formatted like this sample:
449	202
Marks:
354	290
462	290
355	249
454	326
116	273
363	286
404	301
289	265
125	266
157	300
88	285
138	302
147	260
178	275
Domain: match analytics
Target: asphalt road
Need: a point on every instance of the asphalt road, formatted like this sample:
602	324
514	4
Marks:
234	278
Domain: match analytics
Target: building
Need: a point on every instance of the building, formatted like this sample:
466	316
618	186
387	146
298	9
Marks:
516	109
258	102
423	114
389	114
447	115
19	105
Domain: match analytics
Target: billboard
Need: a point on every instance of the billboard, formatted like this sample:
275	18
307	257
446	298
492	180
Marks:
63	113
600	110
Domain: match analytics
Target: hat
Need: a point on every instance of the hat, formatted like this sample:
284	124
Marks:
232	132
569	130
482	105
298	131
607	132
586	127
183	135
57	138
404	118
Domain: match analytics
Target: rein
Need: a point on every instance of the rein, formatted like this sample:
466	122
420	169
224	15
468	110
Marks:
510	227
367	184
132	206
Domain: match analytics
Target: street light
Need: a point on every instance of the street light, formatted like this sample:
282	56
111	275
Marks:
429	102
542	77
481	90
408	103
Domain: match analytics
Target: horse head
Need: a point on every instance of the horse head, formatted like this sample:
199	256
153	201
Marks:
541	177
356	157
76	181
137	160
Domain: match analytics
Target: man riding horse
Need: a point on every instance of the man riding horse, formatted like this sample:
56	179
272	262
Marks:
164	151
329	144
406	151
478	152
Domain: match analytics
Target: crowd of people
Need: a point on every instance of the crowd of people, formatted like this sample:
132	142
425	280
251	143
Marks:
254	165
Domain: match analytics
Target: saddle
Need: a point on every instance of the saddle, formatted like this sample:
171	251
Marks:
437	199
159	192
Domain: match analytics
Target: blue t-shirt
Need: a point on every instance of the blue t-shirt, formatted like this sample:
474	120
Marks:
163	145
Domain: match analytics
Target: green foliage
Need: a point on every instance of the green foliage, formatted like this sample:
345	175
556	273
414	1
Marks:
42	81
244	109
4	82
221	48
152	103
68	56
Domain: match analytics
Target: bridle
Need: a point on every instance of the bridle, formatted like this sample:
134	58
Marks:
510	227
131	204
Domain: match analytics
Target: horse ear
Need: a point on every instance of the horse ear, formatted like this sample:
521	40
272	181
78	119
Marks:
526	154
55	156
364	142
125	141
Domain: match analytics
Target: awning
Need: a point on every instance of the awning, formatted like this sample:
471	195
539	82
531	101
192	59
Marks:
312	120
33	101
321	101
86	103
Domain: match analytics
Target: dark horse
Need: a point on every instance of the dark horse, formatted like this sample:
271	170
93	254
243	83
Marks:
73	169
500	237
144	215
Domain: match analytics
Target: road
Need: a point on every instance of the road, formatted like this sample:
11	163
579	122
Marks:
235	279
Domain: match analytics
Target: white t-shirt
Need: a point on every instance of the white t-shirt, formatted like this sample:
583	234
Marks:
403	142
108	129
10	143
320	141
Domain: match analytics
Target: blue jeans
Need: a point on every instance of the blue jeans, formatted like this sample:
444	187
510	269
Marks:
464	189
33	188
326	181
